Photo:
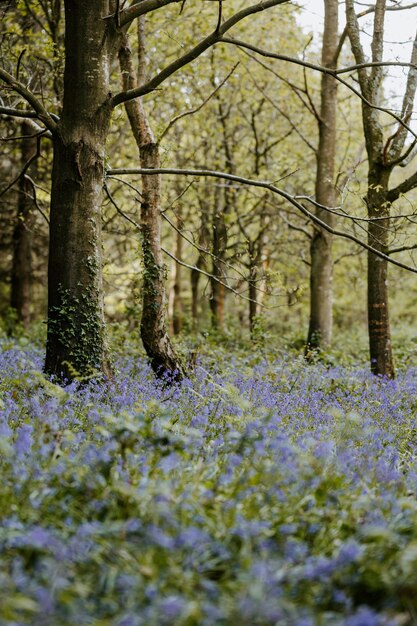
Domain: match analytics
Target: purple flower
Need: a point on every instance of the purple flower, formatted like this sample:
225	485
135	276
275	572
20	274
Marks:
24	440
349	552
172	607
367	617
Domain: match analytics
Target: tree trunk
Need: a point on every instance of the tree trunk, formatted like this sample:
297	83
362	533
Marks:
378	314
176	305
203	241
20	293
321	272
154	335
76	343
164	361
381	160
219	243
253	304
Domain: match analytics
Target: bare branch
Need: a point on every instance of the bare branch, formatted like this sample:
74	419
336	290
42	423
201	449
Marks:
352	27
407	185
37	130
402	249
191	267
398	142
264	185
192	54
377	45
41	113
35	199
293	127
25	167
199	107
332	72
126	16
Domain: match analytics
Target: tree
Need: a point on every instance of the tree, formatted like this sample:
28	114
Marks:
384	154
321	271
21	275
153	328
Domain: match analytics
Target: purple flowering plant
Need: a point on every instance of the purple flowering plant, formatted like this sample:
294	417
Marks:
260	491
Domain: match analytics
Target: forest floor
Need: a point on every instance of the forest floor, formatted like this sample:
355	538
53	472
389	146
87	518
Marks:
262	491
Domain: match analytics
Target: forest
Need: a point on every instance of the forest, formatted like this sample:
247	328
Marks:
208	350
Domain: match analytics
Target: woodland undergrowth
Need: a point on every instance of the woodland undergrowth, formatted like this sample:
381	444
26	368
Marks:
262	491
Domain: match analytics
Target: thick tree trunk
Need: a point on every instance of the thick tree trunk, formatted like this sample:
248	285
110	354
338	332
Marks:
21	279
76	344
382	157
163	358
321	272
378	314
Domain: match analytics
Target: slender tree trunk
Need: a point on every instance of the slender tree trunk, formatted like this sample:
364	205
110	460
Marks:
380	347
321	272
195	299
219	242
21	279
153	326
253	304
203	241
176	308
255	257
76	343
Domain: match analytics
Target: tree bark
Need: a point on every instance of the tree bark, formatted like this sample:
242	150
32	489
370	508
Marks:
222	206
218	247
153	328
201	263
177	307
379	170
76	342
321	272
217	288
378	313
21	278
253	303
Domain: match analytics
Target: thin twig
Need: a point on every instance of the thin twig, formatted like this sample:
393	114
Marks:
199	107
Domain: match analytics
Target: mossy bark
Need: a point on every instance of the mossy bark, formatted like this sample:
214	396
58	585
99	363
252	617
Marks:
153	327
381	161
76	343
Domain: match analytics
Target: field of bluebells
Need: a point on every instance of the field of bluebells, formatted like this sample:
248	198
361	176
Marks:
261	492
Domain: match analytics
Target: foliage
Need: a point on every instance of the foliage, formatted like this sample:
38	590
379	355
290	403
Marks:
265	493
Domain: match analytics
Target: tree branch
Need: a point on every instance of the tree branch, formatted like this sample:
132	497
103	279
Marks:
264	185
400	136
192	54
402	188
25	167
332	72
126	16
191	267
197	108
41	113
